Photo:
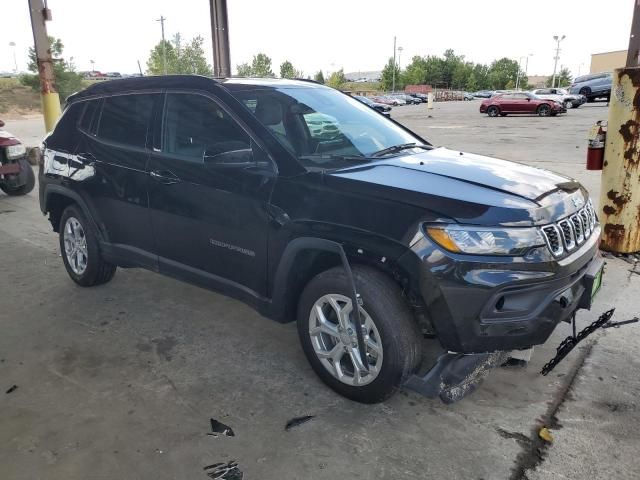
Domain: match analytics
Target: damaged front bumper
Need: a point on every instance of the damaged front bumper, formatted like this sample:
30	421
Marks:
455	375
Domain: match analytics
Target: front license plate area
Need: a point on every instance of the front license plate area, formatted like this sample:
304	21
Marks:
592	282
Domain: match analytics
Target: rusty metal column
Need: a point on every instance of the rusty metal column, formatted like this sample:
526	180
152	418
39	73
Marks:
220	38
620	189
49	93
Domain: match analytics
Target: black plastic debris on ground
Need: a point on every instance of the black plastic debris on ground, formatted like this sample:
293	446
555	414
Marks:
12	388
294	422
219	428
224	471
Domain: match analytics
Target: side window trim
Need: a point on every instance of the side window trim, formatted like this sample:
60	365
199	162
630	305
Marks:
218	102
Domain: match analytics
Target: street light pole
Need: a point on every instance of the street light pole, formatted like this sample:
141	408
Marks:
518	74
164	47
556	58
393	83
15	62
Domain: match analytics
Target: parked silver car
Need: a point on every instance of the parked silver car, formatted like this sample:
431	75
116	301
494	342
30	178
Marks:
561	95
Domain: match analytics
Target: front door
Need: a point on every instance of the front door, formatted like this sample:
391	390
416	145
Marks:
210	220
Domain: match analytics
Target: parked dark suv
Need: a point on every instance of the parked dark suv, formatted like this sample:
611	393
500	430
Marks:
302	202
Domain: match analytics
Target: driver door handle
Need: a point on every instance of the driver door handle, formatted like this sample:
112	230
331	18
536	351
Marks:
166	177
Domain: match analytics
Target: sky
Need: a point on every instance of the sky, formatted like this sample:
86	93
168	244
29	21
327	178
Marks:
356	35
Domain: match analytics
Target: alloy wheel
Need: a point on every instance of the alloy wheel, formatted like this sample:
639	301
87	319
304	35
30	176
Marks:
75	246
334	340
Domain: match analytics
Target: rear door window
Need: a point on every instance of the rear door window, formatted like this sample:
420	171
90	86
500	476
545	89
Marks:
89	116
126	119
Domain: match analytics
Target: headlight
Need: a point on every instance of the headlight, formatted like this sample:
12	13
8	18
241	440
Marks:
485	241
16	151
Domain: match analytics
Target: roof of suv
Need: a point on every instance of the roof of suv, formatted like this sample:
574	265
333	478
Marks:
196	82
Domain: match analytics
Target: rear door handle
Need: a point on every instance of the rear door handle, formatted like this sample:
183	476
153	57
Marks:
166	177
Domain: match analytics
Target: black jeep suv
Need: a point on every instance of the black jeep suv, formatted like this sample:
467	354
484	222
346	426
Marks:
302	202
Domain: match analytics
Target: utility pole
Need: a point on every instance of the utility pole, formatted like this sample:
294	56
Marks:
220	38
556	58
393	82
619	208
518	74
50	98
164	46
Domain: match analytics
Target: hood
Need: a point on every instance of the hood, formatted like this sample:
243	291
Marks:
469	188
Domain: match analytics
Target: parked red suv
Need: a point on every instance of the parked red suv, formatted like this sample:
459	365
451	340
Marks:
520	102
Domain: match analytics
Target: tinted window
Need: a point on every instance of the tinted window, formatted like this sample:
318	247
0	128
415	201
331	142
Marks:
125	119
88	117
322	126
195	124
63	137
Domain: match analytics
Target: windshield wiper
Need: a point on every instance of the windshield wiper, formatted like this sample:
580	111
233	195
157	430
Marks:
335	156
398	148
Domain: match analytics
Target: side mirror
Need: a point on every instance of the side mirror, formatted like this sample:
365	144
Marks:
238	159
1	124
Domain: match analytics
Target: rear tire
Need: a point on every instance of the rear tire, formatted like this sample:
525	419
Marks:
28	185
493	111
80	250
394	337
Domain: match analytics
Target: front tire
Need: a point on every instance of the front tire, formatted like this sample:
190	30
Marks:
493	111
568	104
544	110
80	250
325	327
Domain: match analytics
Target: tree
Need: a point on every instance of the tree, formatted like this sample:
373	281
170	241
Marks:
288	71
180	59
260	67
244	70
563	78
501	72
337	79
387	76
67	80
472	83
319	77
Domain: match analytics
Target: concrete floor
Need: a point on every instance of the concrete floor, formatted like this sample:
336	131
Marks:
120	381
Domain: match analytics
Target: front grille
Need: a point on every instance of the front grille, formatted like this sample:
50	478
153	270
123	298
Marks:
569	233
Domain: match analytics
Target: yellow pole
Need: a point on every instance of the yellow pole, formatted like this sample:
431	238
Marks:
50	98
50	109
620	192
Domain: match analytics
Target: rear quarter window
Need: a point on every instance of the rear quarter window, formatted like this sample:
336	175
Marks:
64	138
89	116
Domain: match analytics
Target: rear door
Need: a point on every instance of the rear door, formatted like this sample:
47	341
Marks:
117	148
210	220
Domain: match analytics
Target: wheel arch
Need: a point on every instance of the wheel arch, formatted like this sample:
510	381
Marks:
57	197
306	257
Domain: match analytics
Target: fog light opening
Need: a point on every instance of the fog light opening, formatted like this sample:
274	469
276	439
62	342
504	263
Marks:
500	304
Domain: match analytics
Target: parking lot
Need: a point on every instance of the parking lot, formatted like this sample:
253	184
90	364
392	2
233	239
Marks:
121	381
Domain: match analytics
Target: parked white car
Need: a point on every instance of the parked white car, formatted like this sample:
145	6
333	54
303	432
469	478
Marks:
569	100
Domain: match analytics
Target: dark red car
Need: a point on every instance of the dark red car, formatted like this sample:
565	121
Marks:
520	102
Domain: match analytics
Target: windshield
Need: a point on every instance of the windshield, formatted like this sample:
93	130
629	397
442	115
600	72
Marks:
322	127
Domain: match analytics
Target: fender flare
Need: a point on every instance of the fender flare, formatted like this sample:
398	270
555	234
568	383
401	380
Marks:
286	265
52	189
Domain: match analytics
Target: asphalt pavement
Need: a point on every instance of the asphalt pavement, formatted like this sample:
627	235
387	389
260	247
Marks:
122	380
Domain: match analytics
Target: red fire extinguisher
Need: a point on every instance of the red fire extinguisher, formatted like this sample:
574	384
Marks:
595	149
